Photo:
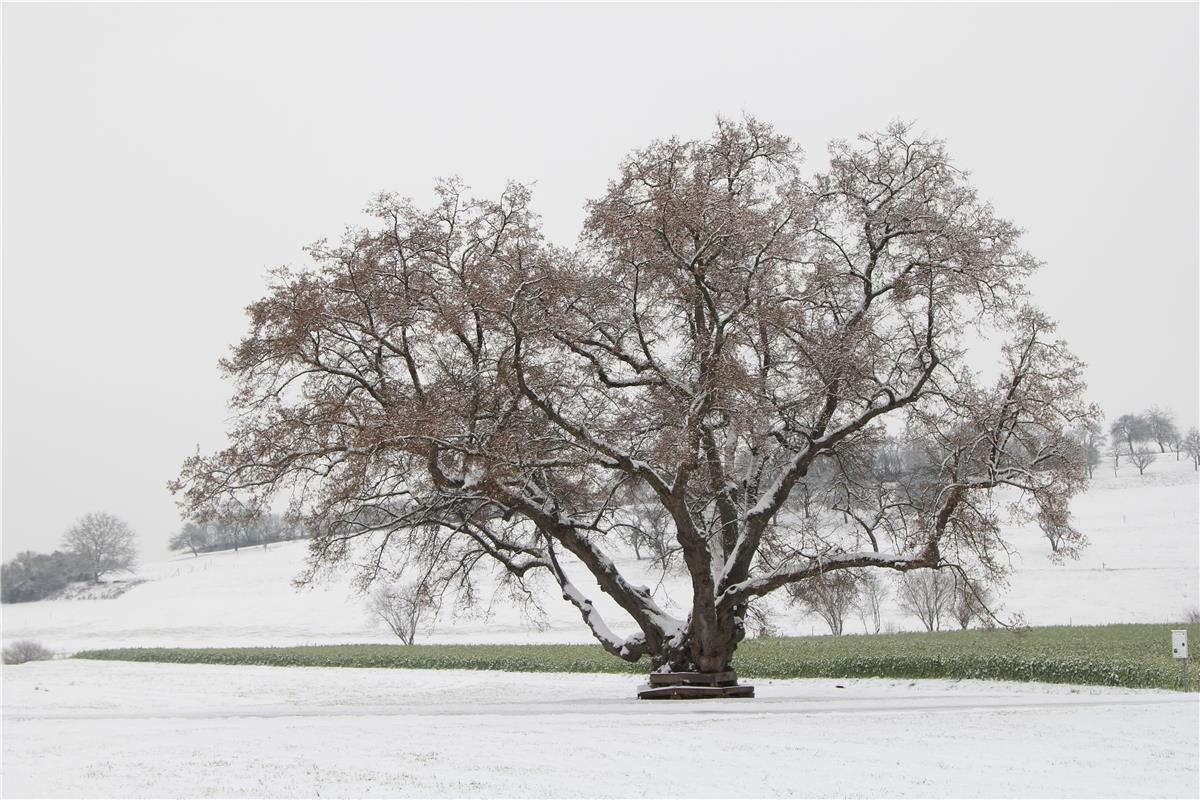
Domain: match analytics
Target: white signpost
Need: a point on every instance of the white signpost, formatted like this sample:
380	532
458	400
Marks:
1179	644
1179	649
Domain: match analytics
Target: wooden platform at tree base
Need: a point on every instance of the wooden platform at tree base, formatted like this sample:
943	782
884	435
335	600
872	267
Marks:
693	686
693	678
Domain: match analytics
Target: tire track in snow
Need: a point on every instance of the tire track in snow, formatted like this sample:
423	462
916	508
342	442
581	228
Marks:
761	707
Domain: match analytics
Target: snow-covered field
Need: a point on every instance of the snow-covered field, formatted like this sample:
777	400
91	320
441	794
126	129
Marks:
107	729
1142	566
85	728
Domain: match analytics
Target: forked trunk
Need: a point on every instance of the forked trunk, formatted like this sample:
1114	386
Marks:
700	666
708	645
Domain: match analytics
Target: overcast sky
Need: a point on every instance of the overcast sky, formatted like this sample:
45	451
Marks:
159	158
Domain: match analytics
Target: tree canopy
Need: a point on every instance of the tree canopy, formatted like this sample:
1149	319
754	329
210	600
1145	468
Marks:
454	391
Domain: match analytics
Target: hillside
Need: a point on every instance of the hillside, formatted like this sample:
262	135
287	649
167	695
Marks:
1141	566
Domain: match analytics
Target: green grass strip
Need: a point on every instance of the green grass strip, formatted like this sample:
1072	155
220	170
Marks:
1108	655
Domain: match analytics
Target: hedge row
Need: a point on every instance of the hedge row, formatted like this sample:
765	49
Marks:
1112	655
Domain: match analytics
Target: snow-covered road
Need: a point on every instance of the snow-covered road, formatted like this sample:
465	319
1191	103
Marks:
80	728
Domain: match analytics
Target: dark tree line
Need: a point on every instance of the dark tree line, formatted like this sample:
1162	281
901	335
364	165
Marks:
35	576
234	532
1135	438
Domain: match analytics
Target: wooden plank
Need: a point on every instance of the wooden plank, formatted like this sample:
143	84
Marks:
693	678
681	692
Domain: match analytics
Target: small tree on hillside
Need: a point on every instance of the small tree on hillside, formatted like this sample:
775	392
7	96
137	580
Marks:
1161	428
926	594
102	543
1055	536
1091	443
1191	446
1142	459
1128	431
235	533
191	537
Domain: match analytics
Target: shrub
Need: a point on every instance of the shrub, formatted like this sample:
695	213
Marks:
402	608
35	576
26	650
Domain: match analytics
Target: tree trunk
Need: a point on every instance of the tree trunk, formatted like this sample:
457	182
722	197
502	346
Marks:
699	664
707	647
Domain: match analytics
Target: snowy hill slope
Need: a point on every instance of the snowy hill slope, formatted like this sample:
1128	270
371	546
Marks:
1141	566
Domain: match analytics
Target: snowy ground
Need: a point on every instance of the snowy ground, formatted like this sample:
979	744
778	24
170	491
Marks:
107	729
1142	566
84	728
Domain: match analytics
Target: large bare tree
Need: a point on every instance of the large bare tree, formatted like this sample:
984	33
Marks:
452	391
101	543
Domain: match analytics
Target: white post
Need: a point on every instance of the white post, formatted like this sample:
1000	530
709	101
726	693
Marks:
1179	649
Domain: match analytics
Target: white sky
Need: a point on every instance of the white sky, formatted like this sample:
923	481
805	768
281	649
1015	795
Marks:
159	158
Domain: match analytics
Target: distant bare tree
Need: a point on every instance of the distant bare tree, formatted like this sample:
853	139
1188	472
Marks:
647	527
831	596
1091	443
927	594
1055	536
191	537
1130	430
872	592
234	526
102	543
1142	459
1191	446
1114	450
760	622
1160	426
971	600
402	608
803	497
